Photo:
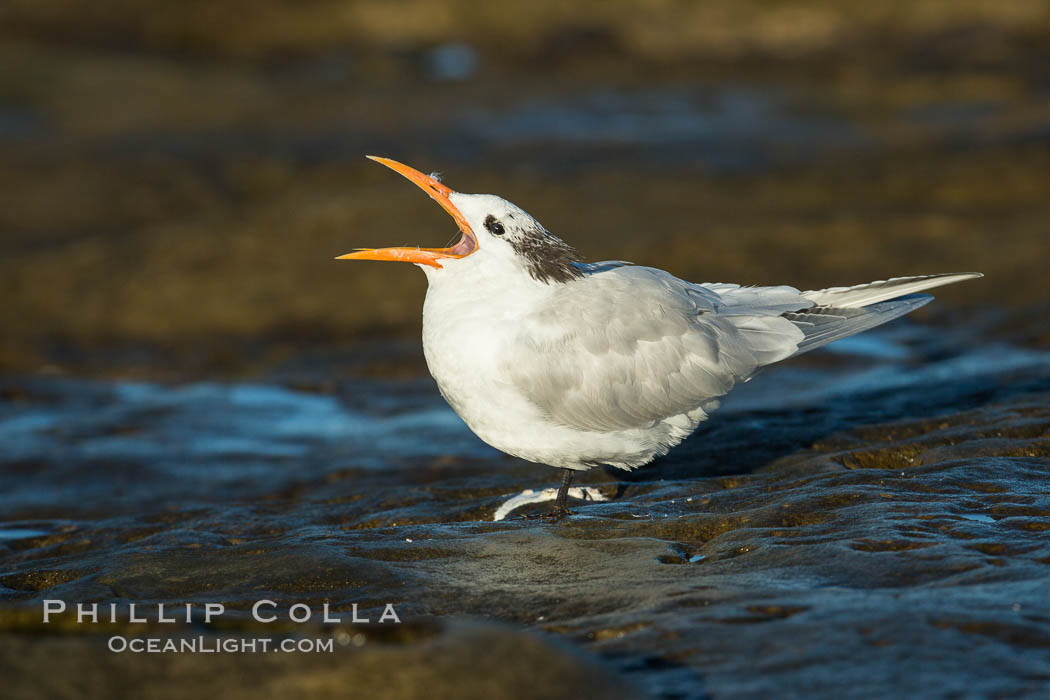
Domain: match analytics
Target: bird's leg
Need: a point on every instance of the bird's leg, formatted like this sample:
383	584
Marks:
560	508
561	502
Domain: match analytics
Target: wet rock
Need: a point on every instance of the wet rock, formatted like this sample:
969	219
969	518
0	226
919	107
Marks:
40	580
873	534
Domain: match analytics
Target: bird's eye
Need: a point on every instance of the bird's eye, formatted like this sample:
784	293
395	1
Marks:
494	227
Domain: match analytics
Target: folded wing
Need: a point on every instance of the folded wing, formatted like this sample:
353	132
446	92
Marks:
628	347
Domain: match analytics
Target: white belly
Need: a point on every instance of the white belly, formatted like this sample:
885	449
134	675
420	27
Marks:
466	344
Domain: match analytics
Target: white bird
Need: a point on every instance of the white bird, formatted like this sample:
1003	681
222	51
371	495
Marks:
575	365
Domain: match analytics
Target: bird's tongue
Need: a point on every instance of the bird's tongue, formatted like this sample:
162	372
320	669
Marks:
463	247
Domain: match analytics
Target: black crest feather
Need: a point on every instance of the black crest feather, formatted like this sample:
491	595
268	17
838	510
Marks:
549	258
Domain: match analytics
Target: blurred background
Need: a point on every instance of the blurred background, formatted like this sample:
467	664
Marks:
198	404
177	175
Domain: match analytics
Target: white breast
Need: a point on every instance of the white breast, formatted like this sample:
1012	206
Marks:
467	332
470	333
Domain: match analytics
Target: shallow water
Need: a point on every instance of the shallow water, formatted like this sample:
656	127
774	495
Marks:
873	518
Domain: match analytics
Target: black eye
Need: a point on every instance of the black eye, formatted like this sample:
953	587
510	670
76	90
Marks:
494	227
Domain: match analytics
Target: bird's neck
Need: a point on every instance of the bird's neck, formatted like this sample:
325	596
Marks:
491	291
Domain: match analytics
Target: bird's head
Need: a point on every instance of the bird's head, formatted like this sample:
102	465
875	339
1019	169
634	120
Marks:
493	233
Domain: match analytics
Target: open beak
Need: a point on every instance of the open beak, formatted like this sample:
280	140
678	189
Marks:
466	245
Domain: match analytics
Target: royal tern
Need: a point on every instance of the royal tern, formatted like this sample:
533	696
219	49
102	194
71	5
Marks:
576	365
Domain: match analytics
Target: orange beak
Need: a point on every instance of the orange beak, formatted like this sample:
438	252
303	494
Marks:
466	245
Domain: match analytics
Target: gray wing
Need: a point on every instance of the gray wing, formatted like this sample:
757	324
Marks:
627	347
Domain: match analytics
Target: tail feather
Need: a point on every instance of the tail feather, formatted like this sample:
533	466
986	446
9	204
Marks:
883	290
823	324
844	311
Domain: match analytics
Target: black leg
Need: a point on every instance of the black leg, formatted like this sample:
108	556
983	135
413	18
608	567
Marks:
561	506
